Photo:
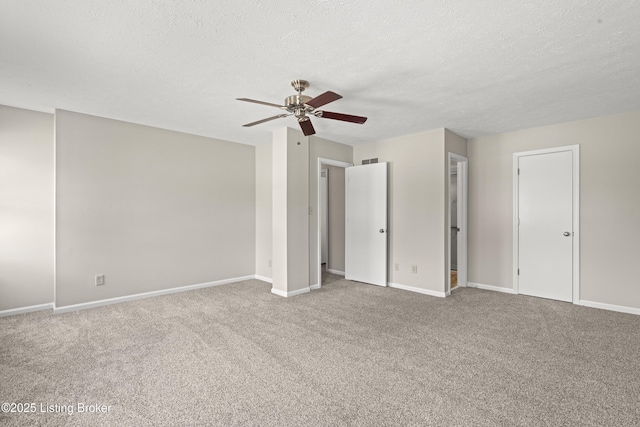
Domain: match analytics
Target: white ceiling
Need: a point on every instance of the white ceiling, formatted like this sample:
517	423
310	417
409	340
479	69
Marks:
476	67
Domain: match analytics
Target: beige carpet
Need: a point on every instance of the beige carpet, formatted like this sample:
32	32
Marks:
347	354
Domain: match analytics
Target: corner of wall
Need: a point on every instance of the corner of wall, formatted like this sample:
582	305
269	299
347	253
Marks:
27	209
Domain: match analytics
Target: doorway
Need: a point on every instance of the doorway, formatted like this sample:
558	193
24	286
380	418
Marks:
546	215
457	222
330	227
323	212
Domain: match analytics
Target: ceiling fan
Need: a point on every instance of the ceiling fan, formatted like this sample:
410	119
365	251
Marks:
302	106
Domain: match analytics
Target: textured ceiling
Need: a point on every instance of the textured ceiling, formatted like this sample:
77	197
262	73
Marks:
476	67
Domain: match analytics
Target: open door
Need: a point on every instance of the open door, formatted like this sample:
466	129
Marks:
366	224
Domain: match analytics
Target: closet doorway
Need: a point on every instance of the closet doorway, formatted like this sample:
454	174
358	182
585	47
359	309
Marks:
457	222
331	218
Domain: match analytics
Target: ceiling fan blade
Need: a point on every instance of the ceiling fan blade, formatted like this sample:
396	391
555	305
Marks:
324	99
307	127
279	116
340	116
259	102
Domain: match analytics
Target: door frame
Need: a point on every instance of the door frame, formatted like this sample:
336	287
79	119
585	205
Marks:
329	162
463	185
323	212
575	149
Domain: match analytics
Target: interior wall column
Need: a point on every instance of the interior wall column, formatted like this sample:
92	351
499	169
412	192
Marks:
290	213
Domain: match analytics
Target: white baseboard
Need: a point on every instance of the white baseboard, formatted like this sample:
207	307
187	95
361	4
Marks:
99	303
490	288
263	278
611	307
314	287
418	290
290	294
339	273
600	305
29	309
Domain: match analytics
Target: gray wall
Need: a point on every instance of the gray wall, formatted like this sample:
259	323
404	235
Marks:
151	209
264	205
417	206
154	209
609	204
26	208
336	218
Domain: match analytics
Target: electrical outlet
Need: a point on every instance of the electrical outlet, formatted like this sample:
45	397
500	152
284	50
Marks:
269	263
100	280
397	267
414	269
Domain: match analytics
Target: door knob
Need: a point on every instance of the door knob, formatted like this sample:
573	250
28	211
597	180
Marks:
566	233
382	230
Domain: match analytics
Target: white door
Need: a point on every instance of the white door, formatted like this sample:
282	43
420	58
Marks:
545	211
366	224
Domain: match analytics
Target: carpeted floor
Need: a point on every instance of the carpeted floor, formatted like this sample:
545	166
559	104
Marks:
346	354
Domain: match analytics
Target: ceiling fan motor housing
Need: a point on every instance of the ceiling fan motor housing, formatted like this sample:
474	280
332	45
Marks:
296	104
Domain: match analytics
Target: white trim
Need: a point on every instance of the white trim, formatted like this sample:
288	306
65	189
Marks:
29	309
290	294
514	223
418	290
330	162
455	288
610	307
278	292
116	300
462	170
339	273
575	149
314	287
491	288
55	206
576	223
263	278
